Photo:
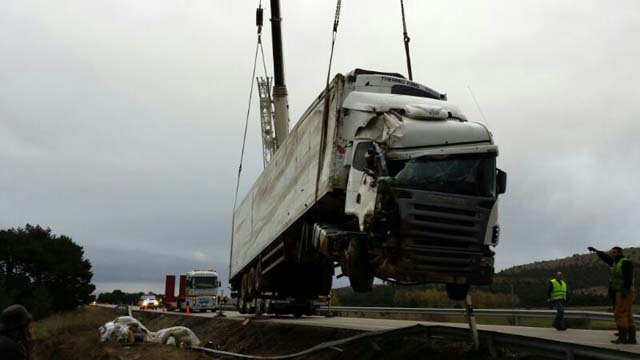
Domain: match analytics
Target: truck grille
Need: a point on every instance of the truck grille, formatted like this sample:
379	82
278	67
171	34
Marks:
440	235
435	219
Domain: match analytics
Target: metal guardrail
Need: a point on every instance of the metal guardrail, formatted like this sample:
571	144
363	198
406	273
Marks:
515	314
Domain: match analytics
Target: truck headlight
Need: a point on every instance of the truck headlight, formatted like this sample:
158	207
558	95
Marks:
495	236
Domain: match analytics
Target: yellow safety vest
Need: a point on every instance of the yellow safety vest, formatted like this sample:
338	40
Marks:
617	278
559	290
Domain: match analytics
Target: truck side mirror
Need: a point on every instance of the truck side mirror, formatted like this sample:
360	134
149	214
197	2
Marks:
219	283
501	182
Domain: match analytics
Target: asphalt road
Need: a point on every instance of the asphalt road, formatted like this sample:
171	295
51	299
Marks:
599	338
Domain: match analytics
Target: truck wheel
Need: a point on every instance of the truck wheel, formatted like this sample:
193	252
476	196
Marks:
267	306
243	297
242	305
457	292
360	272
257	280
251	284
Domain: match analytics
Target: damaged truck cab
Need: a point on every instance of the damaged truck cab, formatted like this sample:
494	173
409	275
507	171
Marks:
423	185
391	182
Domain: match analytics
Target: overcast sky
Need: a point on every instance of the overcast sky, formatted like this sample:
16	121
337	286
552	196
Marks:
121	121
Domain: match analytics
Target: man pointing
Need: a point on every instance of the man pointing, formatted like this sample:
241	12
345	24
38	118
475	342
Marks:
622	284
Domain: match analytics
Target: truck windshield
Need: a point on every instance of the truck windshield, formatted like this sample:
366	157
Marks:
473	175
205	282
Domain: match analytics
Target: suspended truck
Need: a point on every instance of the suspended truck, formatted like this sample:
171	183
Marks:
381	176
404	188
197	290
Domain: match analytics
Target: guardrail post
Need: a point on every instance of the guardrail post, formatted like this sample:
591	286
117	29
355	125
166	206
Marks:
472	322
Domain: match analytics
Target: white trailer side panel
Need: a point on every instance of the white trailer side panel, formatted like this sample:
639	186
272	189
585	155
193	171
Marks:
286	188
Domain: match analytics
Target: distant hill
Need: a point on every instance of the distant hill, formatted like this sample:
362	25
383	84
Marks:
586	275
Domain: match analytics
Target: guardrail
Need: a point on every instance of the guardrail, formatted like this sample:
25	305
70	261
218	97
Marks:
544	348
515	314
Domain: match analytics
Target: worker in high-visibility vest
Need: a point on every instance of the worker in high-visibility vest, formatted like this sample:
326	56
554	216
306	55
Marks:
622	284
558	297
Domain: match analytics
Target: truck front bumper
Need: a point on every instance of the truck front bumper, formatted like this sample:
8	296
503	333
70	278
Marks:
438	238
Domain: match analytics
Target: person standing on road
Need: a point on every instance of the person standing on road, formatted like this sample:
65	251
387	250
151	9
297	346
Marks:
557	295
622	284
15	336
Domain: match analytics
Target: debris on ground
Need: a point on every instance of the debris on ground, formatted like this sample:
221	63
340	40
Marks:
177	335
127	329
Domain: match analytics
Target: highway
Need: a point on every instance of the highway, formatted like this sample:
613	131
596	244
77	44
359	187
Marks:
597	338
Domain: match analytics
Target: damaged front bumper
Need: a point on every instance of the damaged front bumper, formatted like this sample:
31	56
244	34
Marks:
436	237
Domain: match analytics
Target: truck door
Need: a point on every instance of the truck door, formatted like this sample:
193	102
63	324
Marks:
361	186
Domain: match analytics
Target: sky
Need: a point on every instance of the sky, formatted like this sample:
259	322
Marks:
121	122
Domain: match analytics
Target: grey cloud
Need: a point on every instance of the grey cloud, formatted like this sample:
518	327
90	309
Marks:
116	266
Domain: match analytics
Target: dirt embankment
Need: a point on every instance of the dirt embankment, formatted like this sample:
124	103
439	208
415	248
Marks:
266	338
257	338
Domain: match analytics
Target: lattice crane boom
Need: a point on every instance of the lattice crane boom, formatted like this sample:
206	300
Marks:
269	141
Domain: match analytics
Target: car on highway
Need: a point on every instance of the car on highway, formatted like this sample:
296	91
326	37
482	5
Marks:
148	302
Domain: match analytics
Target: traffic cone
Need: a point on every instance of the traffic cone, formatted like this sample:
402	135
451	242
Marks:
188	311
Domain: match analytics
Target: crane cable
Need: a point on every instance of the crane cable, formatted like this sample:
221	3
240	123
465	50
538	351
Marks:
406	40
327	99
246	122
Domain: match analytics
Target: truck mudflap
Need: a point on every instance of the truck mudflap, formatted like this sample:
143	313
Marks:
436	237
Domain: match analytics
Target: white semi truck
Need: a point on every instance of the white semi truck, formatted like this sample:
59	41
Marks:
198	290
392	182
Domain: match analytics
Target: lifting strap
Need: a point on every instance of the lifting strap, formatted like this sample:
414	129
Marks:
406	40
327	100
246	121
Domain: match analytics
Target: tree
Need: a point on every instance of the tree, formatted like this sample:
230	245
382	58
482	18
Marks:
43	271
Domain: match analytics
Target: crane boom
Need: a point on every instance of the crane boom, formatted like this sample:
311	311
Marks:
269	142
280	97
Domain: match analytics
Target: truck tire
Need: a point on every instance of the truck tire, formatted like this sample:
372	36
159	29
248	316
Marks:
251	283
243	297
258	278
242	305
457	292
360	271
267	307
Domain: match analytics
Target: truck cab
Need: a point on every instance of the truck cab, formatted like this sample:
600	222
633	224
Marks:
201	291
423	185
